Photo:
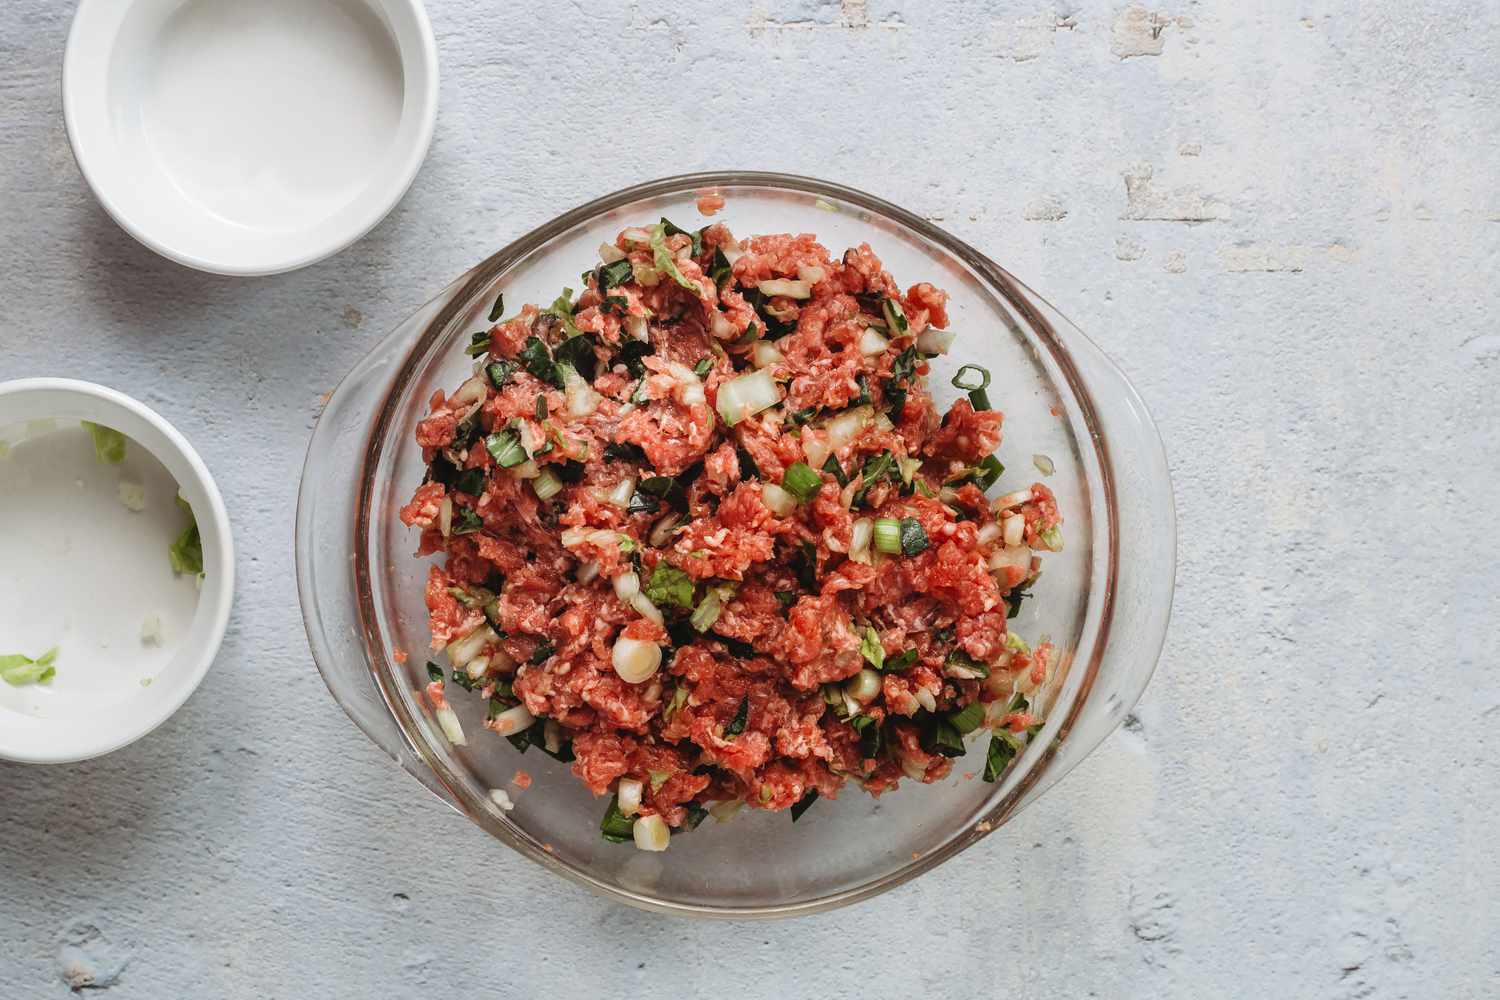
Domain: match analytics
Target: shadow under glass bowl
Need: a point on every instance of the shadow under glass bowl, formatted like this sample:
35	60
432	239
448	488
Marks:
1104	601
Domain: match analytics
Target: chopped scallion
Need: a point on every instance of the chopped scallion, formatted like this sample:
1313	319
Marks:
505	448
802	804
975	387
498	309
887	535
801	481
1000	753
547	485
871	649
741	718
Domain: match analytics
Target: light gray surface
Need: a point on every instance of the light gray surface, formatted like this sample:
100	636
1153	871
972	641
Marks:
1282	219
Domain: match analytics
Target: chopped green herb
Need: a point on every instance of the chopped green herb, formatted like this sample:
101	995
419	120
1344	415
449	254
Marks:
871	736
624	451
670	585
17	670
498	309
505	448
939	735
616	827
987	472
1000	753
786	598
543	650
837	471
805	565
1015	597
913	538
479	343
562	308
719	269
901	661
905	365
434	672
802	804
650	492
968	718
741	717
871	649
470	481
537	360
577	352
541	406
737	647
703	367
618	273
863	398
802	416
109	444
463	680
465	522
696	814
499	372
630	356
801	481
748	468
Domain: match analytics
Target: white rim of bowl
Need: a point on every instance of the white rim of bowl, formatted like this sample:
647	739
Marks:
168	446
421	64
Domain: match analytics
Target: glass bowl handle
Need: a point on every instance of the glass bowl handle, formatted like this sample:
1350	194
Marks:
1146	528
326	531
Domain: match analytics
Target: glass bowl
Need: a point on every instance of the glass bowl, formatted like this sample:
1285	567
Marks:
1104	601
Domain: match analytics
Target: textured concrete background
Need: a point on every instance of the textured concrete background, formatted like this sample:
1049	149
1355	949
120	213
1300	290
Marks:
1283	219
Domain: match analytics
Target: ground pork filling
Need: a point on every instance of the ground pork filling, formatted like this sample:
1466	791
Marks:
706	537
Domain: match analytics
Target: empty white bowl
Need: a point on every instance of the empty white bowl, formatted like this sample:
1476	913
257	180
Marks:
85	564
249	137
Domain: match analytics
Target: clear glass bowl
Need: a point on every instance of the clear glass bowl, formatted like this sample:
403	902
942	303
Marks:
1104	601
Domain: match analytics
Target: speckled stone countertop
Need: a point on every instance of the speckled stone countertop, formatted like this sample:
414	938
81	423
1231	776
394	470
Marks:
1283	221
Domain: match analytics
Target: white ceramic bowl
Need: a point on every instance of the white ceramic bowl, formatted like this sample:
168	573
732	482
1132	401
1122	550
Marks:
88	583
249	137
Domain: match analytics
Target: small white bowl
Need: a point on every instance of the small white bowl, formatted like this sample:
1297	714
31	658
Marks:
88	584
249	138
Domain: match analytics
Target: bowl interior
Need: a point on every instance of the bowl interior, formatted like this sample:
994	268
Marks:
249	138
757	861
98	702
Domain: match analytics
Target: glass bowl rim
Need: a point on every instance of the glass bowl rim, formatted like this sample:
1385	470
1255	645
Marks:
459	296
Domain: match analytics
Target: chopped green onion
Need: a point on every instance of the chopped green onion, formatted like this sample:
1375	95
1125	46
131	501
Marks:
434	672
649	494
975	389
703	367
801	481
837	471
963	666
547	485
541	406
470	481
913	538
870	736
505	448
941	736
707	611
671	229
801	805
987	472
498	309
1000	753
741	717
696	814
895	316
871	649
616	827
1052	538
887	535
109	444
968	718
669	585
